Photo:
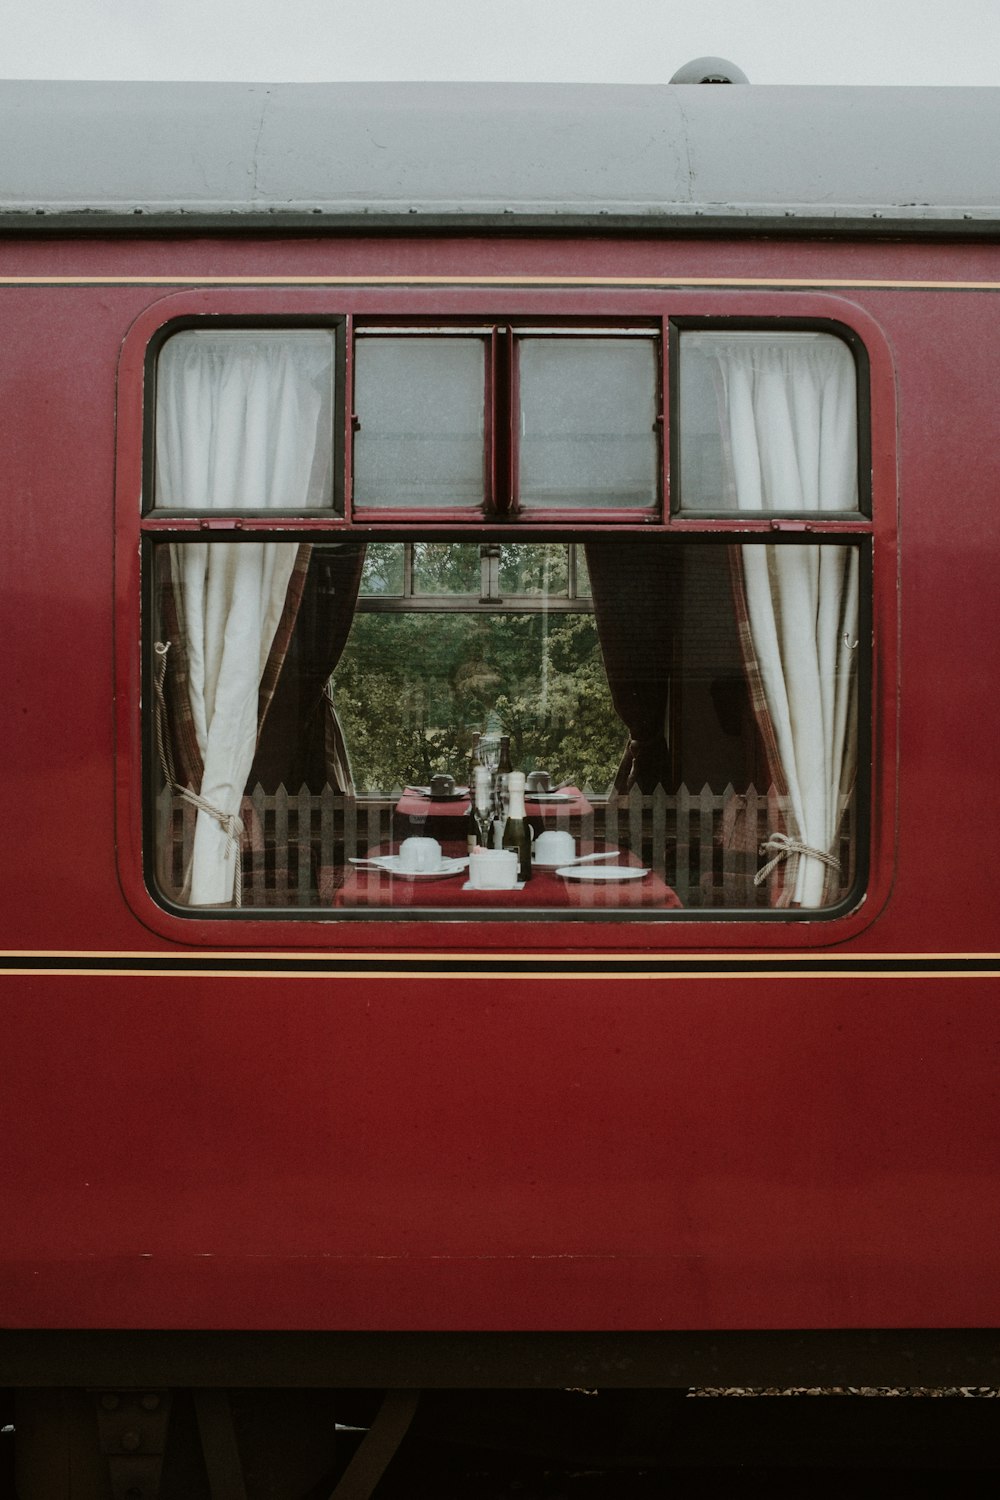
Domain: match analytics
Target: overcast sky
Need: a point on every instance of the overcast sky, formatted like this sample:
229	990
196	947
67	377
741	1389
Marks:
614	41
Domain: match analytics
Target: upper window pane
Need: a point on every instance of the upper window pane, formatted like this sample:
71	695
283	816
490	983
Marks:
244	420
588	422
420	406
768	422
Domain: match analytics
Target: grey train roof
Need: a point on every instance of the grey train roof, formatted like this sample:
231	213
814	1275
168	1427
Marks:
518	156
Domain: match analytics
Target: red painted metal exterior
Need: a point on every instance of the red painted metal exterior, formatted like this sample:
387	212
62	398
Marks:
619	1147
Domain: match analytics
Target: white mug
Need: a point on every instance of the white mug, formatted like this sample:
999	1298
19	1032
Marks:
493	869
554	846
417	855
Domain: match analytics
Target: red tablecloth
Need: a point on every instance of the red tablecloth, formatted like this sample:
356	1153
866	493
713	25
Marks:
364	887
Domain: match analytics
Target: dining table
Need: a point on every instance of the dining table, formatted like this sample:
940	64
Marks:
418	812
367	885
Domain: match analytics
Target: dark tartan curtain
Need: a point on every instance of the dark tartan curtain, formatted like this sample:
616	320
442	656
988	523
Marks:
301	741
636	596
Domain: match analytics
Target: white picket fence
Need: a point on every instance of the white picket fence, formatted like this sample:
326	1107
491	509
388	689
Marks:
705	845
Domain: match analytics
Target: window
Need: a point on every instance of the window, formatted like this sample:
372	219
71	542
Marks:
683	682
768	422
244	421
507	420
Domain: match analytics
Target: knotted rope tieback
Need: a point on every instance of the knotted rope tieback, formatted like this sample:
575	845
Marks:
231	825
782	847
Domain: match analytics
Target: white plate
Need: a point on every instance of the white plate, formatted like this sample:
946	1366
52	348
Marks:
597	873
548	797
391	865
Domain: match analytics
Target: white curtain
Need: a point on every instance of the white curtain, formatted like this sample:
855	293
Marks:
242	423
789	415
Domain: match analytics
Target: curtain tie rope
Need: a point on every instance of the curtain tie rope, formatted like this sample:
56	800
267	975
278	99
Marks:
782	847
230	823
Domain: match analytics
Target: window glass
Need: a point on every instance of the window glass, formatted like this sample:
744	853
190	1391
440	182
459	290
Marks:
446	568
383	571
768	422
420	405
697	705
542	570
588	422
244	420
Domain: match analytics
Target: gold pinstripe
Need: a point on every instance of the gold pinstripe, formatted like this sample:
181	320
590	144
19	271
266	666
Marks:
654	283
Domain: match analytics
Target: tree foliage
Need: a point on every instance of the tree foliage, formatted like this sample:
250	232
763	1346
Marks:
413	686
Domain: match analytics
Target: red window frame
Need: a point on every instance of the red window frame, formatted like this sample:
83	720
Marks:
579	309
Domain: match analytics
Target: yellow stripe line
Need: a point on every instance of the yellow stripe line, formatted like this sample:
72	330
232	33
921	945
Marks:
654	282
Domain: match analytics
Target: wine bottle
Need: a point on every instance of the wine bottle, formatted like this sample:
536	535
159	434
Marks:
504	764
516	832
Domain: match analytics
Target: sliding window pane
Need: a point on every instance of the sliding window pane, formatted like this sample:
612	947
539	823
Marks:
420	404
588	422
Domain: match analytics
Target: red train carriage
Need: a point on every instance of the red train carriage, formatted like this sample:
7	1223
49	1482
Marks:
348	432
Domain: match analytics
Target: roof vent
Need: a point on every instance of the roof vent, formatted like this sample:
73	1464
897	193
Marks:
710	70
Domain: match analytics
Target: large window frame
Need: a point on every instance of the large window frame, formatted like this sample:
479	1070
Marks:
873	529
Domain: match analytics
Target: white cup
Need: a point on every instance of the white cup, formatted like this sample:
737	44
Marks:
554	846
418	855
493	869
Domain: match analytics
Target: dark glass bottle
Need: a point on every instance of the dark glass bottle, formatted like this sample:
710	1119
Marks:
516	832
502	779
